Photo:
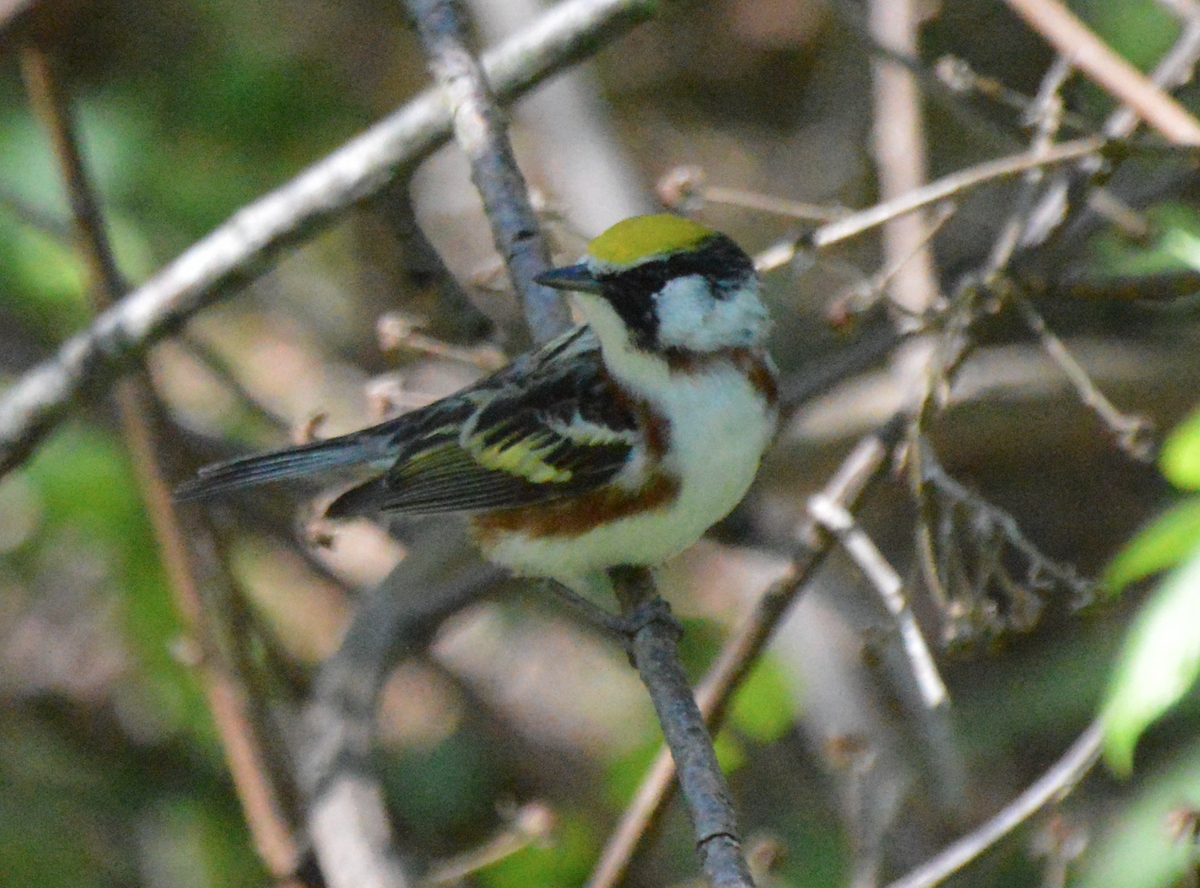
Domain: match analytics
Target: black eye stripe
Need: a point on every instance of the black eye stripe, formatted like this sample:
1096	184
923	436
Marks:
631	291
719	260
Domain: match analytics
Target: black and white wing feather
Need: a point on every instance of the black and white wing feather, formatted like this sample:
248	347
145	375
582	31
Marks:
549	425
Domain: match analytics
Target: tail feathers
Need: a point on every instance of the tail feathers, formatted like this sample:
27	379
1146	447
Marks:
361	500
294	462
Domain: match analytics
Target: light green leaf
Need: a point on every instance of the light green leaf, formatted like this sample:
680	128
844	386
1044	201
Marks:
1180	459
1159	545
1131	846
1159	664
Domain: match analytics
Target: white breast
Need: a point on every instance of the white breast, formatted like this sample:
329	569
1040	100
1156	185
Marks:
719	427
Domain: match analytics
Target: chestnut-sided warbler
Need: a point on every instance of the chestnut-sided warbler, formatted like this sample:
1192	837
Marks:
618	443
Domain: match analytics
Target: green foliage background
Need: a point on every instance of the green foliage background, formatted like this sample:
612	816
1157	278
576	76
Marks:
188	110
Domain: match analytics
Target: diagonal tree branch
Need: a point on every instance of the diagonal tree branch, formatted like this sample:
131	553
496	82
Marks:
242	247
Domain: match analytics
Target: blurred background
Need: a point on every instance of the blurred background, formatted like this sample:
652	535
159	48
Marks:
518	720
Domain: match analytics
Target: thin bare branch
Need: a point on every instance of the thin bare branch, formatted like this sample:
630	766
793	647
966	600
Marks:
938	190
1174	69
243	247
883	577
1097	60
1133	433
1052	786
531	824
265	802
685	189
1044	113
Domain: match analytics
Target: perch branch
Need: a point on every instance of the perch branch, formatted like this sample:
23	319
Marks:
656	657
741	652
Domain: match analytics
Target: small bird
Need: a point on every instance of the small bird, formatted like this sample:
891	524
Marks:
617	444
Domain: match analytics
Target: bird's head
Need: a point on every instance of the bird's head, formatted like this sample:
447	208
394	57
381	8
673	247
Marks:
662	283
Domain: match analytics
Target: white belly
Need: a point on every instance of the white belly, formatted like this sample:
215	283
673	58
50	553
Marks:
720	426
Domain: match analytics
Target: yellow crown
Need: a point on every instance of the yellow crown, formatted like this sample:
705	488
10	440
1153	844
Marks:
643	237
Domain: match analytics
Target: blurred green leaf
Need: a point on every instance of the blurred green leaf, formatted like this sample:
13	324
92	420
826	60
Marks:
1159	664
1140	30
90	497
763	709
1136	850
626	772
1180	459
444	794
731	753
1160	545
1177	248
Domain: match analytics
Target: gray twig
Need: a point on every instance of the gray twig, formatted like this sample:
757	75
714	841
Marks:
655	654
1052	786
480	132
837	519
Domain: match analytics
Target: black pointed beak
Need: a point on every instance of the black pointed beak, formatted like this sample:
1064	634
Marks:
571	277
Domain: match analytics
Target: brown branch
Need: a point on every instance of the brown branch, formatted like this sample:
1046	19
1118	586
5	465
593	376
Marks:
1097	60
1174	69
480	132
240	249
261	789
741	652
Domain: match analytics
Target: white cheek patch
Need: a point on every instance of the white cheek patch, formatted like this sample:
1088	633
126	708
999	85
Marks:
690	317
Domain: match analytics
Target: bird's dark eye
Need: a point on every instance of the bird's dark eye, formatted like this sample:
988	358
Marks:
631	294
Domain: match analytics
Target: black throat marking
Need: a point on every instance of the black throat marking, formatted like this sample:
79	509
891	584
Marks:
721	262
